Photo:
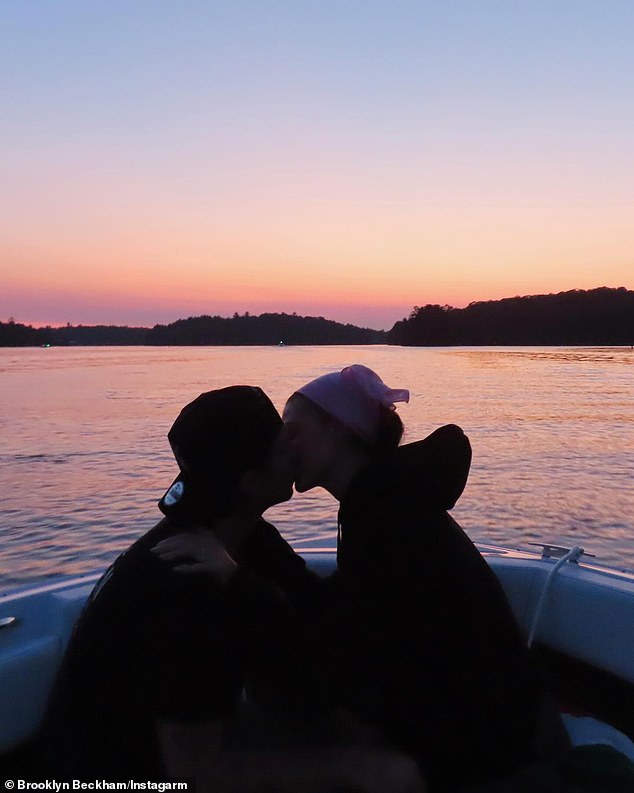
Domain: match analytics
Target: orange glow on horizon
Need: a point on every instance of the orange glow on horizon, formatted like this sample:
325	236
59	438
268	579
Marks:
342	255
230	157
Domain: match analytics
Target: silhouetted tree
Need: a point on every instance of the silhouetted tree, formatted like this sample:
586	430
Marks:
595	316
205	330
265	329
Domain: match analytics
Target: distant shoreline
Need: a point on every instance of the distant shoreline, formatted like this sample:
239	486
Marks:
316	344
595	317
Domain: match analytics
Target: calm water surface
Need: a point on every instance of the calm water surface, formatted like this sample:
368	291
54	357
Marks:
84	456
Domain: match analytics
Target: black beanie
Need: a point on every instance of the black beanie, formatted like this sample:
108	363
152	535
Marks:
215	439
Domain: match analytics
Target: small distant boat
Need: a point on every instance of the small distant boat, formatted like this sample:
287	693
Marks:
579	616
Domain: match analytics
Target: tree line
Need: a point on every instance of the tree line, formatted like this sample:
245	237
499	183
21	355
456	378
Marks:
602	316
246	329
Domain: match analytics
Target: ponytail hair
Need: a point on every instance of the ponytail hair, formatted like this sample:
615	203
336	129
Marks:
389	432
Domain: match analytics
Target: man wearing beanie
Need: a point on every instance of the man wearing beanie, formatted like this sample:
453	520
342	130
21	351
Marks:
158	659
152	646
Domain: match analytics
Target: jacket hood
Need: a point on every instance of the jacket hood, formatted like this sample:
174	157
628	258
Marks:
434	469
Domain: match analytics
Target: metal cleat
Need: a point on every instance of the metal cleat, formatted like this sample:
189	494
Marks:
550	551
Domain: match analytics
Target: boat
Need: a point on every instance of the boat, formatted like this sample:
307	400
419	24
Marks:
577	615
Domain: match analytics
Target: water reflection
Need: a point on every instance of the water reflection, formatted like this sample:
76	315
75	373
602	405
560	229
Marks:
84	457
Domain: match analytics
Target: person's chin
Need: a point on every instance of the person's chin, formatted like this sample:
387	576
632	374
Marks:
283	495
302	486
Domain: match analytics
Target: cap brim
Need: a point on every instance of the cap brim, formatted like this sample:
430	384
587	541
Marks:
173	499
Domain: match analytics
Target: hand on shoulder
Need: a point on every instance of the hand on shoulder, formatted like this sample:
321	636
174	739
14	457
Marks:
197	552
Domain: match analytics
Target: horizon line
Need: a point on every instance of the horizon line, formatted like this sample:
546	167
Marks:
43	324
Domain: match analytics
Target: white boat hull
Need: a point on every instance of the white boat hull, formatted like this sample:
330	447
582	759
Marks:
585	626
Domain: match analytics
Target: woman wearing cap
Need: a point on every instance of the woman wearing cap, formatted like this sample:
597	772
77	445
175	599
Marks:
416	637
423	644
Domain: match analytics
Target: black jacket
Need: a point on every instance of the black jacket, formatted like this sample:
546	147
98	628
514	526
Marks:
436	657
155	645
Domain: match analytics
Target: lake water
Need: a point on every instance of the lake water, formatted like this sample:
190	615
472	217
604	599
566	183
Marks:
84	456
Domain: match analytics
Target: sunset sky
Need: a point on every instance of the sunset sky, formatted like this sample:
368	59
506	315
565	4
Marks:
344	158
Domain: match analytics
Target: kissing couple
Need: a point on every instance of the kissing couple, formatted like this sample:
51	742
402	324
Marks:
210	650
